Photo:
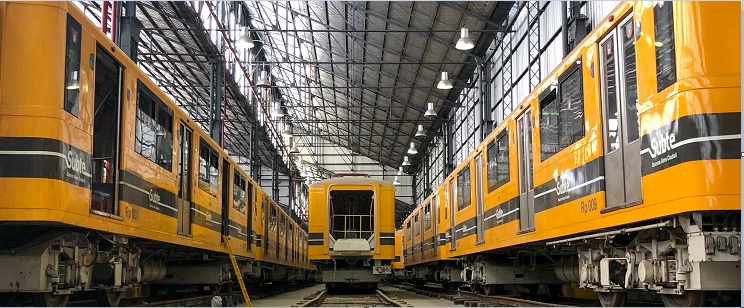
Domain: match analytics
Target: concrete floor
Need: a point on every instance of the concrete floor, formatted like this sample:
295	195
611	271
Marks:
292	298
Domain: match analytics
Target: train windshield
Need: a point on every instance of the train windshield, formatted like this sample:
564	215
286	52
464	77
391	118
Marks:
352	214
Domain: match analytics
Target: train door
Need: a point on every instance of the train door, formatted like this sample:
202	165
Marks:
184	181
620	115
267	220
225	196
249	214
480	239
106	133
435	224
452	206
526	187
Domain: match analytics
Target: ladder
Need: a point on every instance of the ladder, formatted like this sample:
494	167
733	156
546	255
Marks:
237	272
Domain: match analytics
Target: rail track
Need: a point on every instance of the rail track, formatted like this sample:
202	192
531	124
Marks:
472	299
378	298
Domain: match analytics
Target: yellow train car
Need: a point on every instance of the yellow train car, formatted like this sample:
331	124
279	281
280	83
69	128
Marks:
107	184
399	271
620	172
351	229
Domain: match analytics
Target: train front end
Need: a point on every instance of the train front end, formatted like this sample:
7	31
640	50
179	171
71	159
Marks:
351	230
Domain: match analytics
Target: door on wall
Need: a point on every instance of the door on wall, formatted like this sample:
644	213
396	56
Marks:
479	199
526	186
622	145
184	181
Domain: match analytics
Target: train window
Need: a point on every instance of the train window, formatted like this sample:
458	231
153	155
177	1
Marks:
408	230
416	225
154	129
498	161
72	67
208	168
463	188
562	113
427	216
666	69
631	81
282	225
239	195
610	94
571	116
272	219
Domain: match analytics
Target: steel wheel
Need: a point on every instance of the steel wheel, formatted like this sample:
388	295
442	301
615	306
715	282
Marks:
50	300
687	299
109	298
612	299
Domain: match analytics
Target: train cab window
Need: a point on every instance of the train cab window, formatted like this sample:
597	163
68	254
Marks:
427	216
208	168
498	161
72	66
154	129
562	113
239	195
666	69
416	225
463	188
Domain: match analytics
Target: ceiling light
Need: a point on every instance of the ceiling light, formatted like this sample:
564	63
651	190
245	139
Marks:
430	111
245	41
287	132
74	82
397	181
412	149
405	161
400	171
264	80
278	112
464	43
294	149
445	83
421	132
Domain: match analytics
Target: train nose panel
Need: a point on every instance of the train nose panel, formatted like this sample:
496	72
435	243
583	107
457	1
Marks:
349	245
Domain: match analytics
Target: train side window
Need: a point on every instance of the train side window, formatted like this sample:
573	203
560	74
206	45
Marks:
272	219
571	120
631	80
427	216
416	225
239	195
463	188
282	225
549	144
208	168
666	69
154	129
498	161
408	231
72	67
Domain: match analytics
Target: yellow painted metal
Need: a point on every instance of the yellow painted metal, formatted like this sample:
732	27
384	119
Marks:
238	274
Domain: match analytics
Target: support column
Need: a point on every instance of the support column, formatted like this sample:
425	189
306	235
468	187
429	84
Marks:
129	30
449	164
215	103
484	69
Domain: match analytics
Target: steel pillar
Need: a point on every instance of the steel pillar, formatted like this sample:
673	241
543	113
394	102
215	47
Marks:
129	30
215	104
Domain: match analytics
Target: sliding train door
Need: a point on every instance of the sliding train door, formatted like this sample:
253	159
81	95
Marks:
526	186
106	133
183	202
622	145
480	238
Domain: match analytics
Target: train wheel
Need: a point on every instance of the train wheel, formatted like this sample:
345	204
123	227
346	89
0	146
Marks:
687	299
612	299
109	298
490	289
51	300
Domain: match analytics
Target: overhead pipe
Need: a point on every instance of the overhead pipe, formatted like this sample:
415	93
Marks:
114	20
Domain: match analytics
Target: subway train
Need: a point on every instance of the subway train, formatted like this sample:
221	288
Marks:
619	173
351	229
107	185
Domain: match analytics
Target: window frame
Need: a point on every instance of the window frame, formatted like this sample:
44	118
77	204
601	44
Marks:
157	108
668	49
73	56
211	153
461	191
554	96
495	147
